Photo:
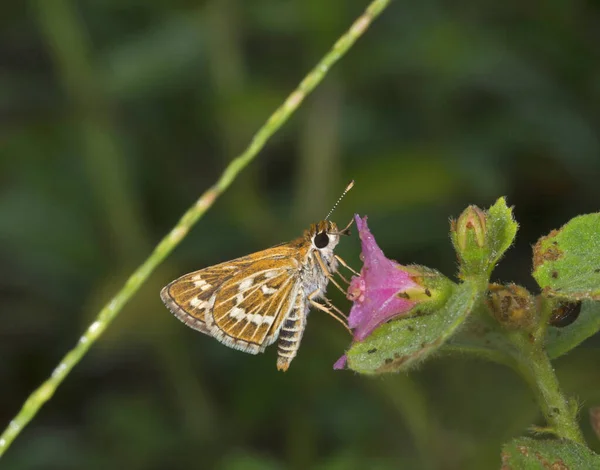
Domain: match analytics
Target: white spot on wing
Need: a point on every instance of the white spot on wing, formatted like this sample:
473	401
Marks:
200	283
237	313
246	284
256	318
198	303
268	290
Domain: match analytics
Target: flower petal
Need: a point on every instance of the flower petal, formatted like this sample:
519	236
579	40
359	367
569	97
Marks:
377	292
340	363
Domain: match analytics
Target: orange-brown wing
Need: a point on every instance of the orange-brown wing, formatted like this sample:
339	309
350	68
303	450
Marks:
191	297
251	305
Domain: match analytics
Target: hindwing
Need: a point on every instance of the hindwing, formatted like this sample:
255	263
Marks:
250	307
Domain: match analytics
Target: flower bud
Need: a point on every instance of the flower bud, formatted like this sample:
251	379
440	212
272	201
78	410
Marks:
470	229
480	238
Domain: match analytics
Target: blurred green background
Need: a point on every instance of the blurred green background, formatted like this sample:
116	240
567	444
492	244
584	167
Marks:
115	116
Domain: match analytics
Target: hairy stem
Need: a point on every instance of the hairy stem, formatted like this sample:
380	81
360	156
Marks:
536	368
167	244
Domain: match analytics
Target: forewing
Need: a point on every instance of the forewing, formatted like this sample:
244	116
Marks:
191	297
251	305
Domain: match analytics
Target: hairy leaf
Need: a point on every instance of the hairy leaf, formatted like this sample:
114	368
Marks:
566	262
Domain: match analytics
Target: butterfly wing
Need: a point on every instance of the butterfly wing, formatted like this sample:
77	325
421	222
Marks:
191	297
243	302
250	307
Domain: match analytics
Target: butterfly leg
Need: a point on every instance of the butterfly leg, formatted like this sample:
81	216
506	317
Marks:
330	305
326	309
345	265
327	273
343	278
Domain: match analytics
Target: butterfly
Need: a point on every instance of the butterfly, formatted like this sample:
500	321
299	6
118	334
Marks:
251	302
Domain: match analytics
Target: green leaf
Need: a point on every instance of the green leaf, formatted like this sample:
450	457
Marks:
483	337
501	230
481	238
566	262
403	343
531	454
561	340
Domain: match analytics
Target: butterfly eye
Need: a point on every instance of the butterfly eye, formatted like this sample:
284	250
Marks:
321	240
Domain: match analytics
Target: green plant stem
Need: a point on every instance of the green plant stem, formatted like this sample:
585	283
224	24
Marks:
536	368
42	394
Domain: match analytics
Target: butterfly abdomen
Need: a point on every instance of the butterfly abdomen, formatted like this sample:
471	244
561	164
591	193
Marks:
291	333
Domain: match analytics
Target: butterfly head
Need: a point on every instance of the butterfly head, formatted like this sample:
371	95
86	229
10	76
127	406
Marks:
324	236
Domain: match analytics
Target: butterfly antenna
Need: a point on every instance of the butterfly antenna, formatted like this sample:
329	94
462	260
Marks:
348	188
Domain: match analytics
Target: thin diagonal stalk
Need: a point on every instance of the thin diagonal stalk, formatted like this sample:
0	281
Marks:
167	244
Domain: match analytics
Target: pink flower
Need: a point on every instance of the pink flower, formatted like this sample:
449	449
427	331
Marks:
384	289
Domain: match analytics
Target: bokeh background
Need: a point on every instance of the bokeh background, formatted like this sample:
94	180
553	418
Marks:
116	115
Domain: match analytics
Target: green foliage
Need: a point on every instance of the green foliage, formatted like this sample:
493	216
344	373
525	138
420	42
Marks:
483	337
501	230
531	454
566	262
508	325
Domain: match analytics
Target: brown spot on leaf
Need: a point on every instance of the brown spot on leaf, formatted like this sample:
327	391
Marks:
556	465
550	253
392	365
505	461
554	274
523	450
399	360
